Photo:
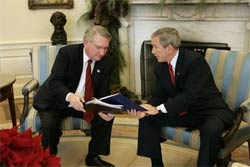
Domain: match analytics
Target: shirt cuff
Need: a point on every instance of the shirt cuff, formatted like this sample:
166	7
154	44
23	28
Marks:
162	108
67	97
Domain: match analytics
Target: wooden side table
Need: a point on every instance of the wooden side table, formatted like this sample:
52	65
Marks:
6	92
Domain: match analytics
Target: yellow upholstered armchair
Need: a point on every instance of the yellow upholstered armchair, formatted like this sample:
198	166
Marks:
231	71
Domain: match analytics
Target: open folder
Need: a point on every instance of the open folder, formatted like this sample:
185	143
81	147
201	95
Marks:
115	104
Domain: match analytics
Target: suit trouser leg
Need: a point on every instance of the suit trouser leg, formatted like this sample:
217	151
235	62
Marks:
211	141
100	133
148	140
100	136
211	129
51	126
51	129
149	137
51	132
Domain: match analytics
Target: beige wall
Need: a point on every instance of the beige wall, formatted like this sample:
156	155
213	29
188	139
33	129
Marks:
19	24
24	31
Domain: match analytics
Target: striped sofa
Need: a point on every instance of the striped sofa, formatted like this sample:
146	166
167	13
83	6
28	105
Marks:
231	71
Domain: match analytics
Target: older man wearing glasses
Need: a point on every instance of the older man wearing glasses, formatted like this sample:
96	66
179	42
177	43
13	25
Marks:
80	72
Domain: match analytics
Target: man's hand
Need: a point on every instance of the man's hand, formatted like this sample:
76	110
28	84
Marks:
137	114
106	117
76	102
151	110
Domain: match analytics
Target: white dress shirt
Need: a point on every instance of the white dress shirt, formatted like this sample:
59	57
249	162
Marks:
173	63
81	85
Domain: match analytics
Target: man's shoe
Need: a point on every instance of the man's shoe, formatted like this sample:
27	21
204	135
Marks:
97	161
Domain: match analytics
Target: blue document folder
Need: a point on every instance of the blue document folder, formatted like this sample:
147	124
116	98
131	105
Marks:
116	103
119	99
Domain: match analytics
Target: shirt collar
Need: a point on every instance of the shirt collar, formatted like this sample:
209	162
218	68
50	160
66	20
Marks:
85	57
174	60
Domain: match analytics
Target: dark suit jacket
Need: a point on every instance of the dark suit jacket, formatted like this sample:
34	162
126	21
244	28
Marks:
195	90
65	77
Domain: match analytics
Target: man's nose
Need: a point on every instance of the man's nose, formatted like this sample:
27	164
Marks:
152	51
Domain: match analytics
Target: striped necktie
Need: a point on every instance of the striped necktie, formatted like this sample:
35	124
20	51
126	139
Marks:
171	72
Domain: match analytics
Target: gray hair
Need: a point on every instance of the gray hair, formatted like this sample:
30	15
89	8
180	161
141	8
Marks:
167	36
96	29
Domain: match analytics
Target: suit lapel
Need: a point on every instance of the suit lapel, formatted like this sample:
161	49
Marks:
79	65
97	72
179	64
165	76
165	79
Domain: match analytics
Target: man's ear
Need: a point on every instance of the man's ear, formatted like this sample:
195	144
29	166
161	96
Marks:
86	42
170	47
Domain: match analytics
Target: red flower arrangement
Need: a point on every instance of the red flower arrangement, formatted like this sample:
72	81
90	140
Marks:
22	149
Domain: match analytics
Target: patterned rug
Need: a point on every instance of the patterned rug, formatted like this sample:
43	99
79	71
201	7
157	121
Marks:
73	150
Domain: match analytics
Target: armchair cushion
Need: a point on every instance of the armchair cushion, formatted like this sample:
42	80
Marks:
191	138
33	121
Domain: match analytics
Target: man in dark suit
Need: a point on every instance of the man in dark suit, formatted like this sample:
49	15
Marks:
62	94
185	96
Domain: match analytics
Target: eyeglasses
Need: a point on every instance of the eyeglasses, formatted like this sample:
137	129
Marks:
99	48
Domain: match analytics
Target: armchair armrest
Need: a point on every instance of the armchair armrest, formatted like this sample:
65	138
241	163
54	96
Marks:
29	87
246	108
242	113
